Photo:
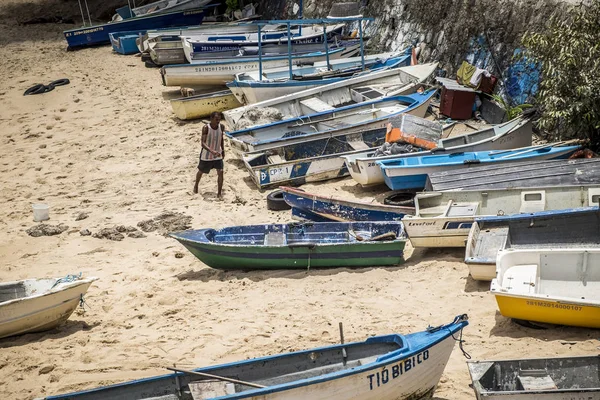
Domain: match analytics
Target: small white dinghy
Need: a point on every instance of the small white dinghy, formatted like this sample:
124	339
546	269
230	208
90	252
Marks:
34	305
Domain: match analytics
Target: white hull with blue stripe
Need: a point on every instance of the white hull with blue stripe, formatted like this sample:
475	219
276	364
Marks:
353	119
211	73
249	88
392	367
209	42
363	88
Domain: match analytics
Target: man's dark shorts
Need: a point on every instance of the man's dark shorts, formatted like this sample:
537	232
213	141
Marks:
206	166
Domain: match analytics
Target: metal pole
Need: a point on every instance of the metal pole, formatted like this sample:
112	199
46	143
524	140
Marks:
81	9
88	12
326	45
289	33
362	49
259	52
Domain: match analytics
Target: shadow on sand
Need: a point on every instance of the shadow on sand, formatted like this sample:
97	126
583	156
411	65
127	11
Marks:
68	328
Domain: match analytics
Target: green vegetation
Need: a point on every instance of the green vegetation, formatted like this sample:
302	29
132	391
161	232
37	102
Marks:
568	52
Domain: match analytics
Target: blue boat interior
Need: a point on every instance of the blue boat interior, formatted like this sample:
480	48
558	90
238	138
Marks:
294	233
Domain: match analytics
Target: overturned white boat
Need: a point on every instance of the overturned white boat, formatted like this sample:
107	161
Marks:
34	305
403	80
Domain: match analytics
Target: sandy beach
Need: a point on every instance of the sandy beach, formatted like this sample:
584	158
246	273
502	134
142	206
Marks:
108	145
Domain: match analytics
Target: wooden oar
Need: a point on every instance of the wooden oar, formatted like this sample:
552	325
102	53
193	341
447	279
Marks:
221	378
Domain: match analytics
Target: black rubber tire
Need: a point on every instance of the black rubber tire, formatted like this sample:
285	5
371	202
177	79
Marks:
400	199
275	201
35	89
60	82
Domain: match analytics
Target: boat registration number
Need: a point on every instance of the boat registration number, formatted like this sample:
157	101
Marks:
274	174
567	307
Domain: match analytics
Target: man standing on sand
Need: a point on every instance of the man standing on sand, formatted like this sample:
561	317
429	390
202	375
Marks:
213	151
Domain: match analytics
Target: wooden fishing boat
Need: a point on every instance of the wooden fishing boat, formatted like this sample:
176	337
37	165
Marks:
411	172
329	122
209	73
559	285
510	135
210	42
546	228
444	219
35	305
203	105
576	172
397	81
556	378
249	88
334	209
321	245
98	34
389	367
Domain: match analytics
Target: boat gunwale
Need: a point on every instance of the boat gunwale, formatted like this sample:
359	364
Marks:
57	289
452	328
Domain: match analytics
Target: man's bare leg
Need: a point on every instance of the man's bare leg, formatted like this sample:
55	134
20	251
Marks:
219	183
198	176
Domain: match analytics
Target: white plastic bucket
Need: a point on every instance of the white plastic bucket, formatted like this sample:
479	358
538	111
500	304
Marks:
40	212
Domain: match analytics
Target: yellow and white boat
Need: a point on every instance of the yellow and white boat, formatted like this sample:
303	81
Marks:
203	105
556	286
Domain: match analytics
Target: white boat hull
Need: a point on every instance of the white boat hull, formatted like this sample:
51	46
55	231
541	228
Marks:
218	74
391	382
365	170
41	312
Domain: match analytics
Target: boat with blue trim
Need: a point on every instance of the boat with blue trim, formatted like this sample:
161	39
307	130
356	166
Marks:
411	172
387	367
509	135
99	34
329	123
336	209
218	73
209	42
250	87
296	245
362	88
